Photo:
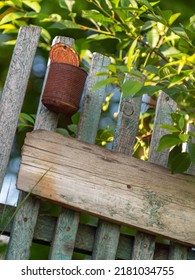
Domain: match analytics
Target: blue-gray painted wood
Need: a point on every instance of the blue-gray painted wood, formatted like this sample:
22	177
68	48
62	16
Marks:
26	217
14	91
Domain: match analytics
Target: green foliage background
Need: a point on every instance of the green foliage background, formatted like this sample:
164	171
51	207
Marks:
146	39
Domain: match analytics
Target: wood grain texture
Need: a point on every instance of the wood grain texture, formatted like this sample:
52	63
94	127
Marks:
91	111
111	185
164	104
45	228
106	241
14	91
65	235
88	126
24	229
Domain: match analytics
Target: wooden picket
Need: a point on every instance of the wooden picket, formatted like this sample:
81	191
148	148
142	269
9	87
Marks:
65	233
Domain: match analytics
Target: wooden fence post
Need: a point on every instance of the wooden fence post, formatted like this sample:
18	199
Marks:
25	220
14	91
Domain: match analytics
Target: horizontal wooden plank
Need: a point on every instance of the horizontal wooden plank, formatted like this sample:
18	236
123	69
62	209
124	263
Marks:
109	185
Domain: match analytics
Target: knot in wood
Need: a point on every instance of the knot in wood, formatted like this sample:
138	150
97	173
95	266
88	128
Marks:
127	108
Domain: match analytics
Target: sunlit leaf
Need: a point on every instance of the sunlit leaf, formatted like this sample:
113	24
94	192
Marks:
130	57
173	18
45	35
67	4
34	5
168	141
131	87
153	37
12	16
184	137
146	3
97	17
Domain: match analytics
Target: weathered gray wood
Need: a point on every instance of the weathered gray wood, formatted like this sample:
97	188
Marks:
127	125
177	252
165	106
104	248
87	132
45	228
124	139
65	235
94	99
144	246
14	91
126	193
18	247
44	120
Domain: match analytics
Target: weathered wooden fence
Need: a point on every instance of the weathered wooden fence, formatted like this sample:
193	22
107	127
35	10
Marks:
65	233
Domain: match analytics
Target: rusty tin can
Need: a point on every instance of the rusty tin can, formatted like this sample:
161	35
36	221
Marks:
64	87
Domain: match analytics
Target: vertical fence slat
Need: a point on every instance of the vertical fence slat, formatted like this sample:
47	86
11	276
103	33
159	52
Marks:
165	106
65	235
107	234
127	125
63	243
14	91
92	107
26	217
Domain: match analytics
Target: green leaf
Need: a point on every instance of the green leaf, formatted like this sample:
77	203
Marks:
96	16
150	90
45	35
24	116
153	37
131	87
151	69
104	83
66	24
191	150
181	122
146	3
73	128
75	118
12	16
62	131
98	37
168	141
169	127
184	137
180	31
180	163
130	57
34	5
173	18
67	4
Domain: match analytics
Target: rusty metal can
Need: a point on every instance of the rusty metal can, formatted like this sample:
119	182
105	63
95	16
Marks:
64	87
